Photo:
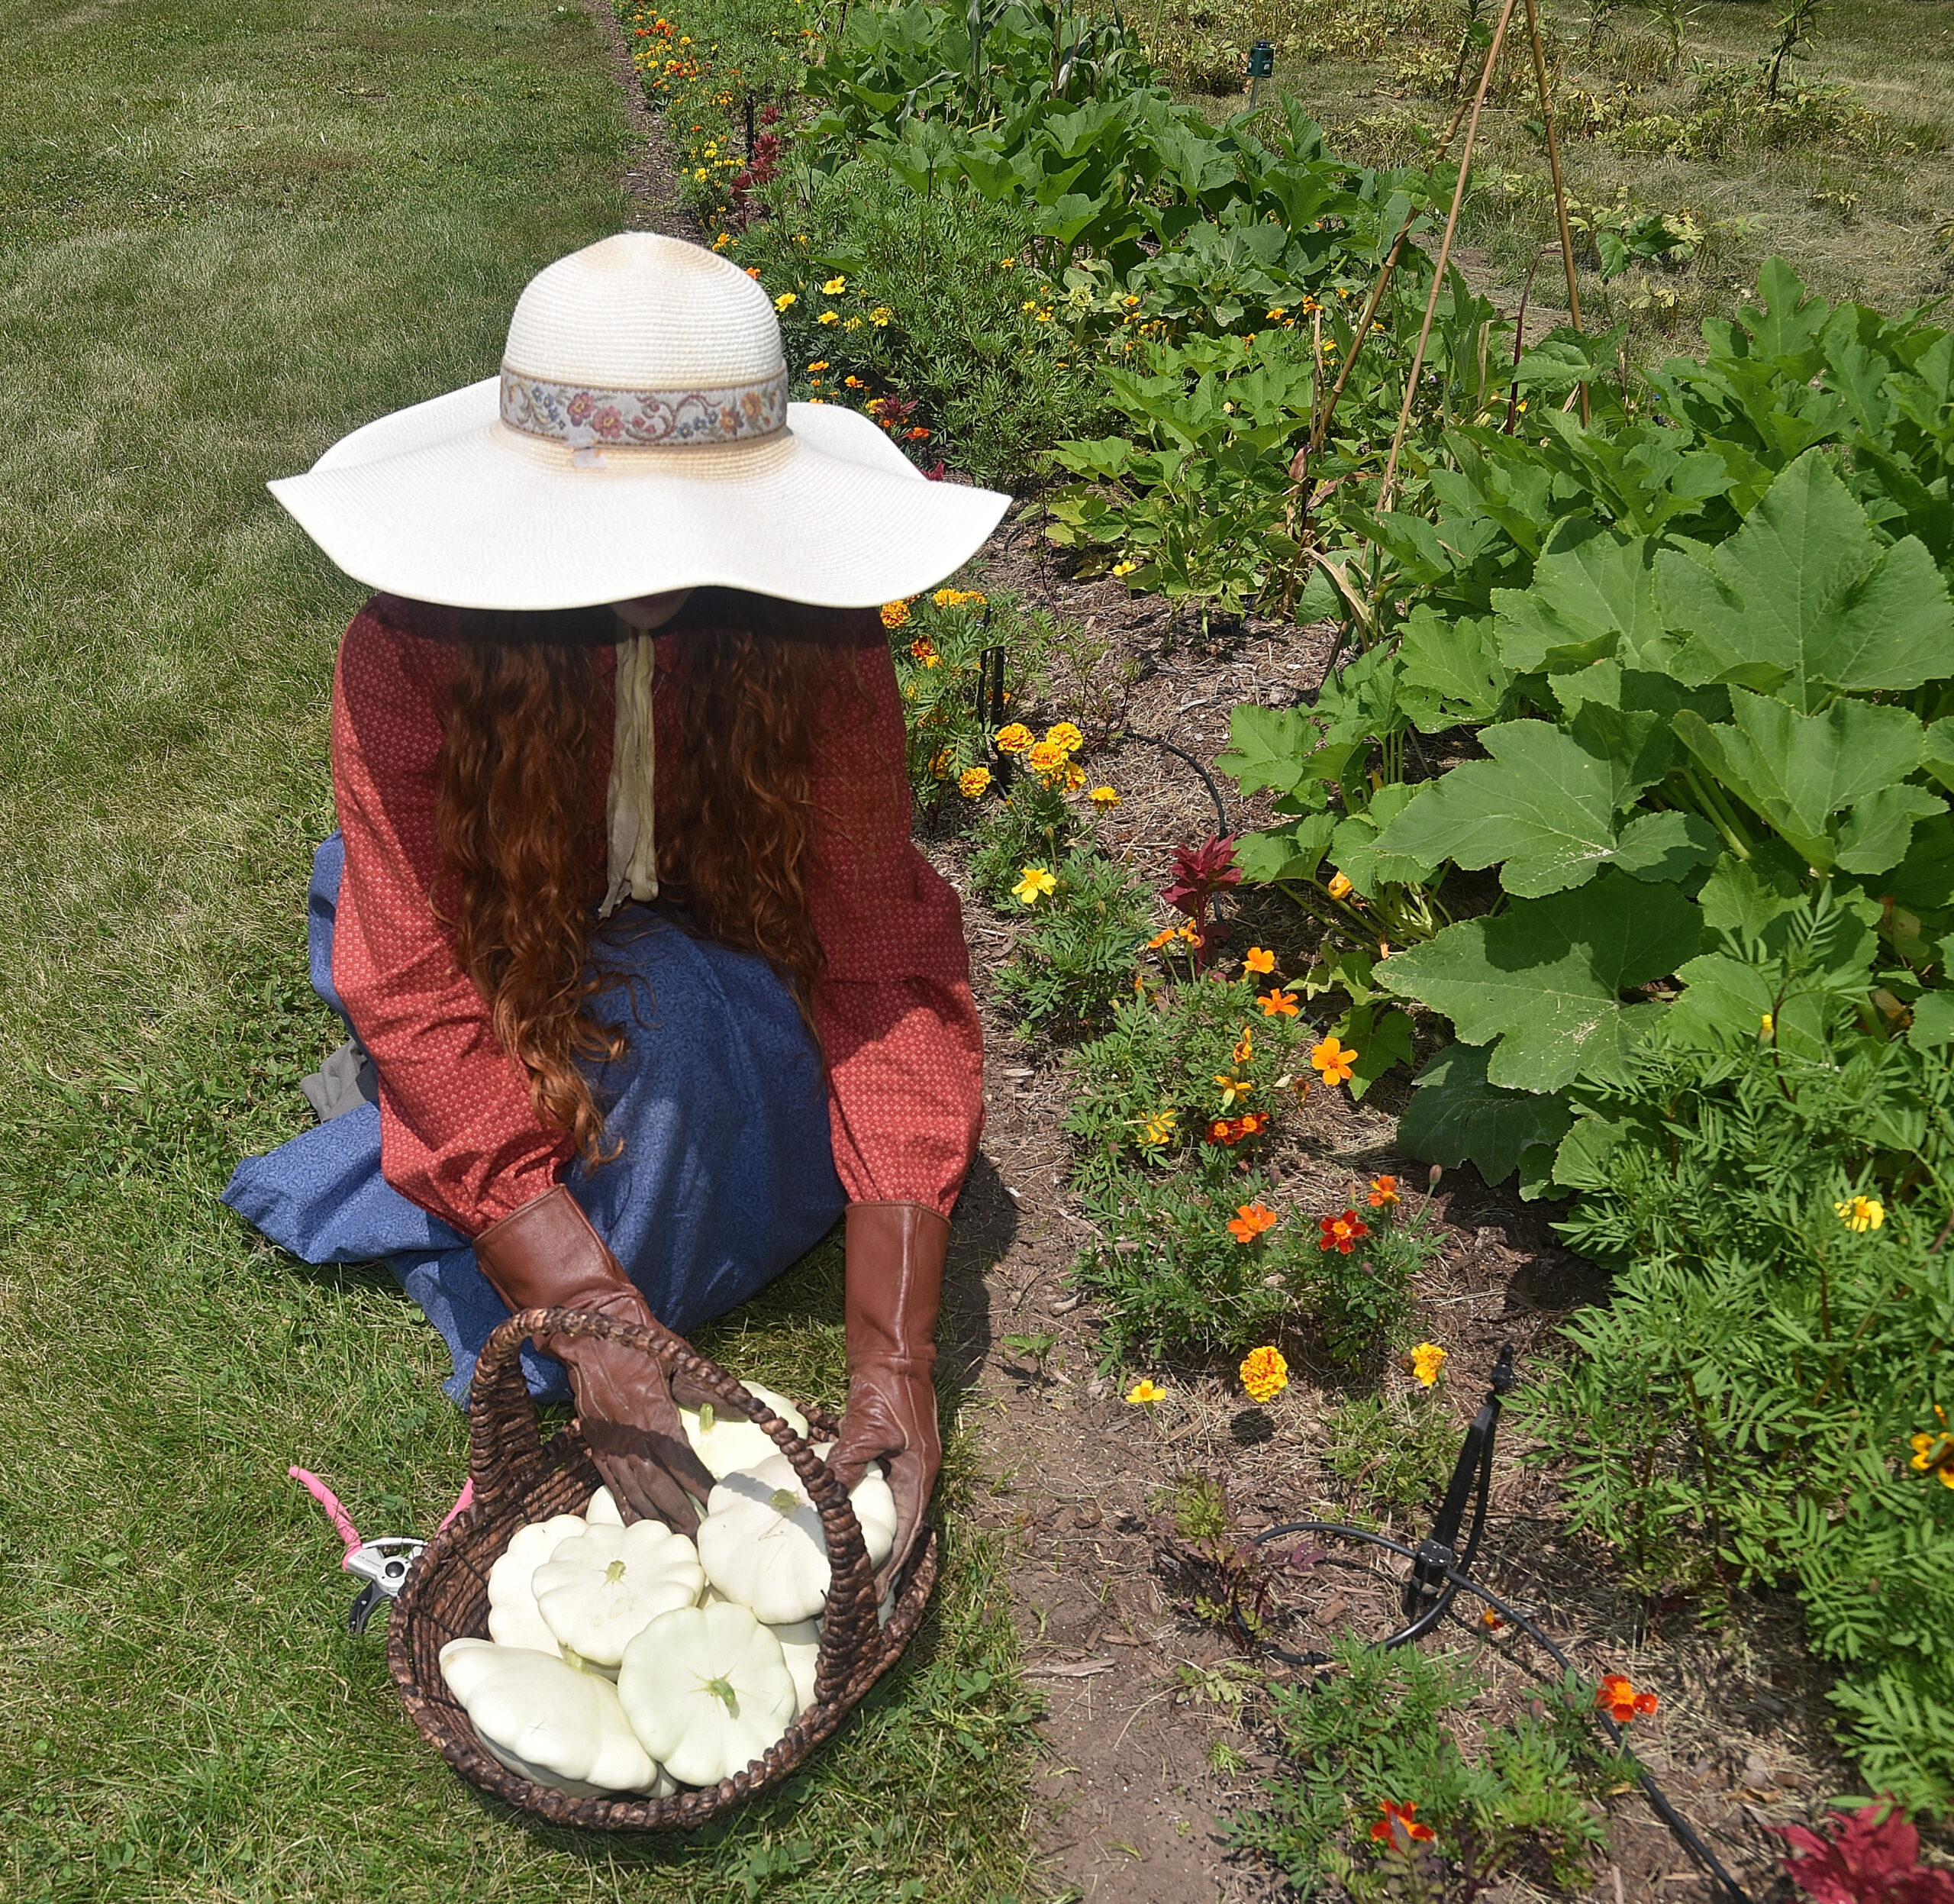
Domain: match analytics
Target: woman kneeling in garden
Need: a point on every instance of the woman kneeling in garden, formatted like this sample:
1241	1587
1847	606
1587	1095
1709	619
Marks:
629	1039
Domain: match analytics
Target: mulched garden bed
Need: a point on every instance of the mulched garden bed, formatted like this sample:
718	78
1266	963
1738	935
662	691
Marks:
1137	1690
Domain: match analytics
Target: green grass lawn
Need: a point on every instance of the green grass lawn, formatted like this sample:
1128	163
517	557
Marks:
227	234
1861	212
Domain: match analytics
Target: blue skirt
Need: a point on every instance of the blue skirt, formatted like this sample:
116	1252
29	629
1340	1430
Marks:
725	1179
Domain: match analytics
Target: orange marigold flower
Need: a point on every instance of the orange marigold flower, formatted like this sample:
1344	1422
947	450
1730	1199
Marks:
1252	1123
1405	1816
1222	1131
1245	1045
1250	1220
923	649
1043	757
1265	1374
1259	961
1616	1697
1335	1061
1014	739
1384	1191
1105	799
1165	936
1278	1004
1064	735
894	613
974	782
1341	1233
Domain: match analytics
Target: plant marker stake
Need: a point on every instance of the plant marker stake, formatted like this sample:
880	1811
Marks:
1438	1577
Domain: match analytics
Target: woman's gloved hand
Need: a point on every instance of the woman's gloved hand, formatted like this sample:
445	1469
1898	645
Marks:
546	1254
894	1267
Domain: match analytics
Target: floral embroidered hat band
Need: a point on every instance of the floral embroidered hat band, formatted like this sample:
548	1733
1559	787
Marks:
638	438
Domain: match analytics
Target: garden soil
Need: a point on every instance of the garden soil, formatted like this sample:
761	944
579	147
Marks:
1136	1693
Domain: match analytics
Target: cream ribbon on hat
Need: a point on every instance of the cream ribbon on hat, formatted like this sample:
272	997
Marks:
632	860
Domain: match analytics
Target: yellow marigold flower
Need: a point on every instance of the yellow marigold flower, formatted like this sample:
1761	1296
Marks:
834	287
829	316
820	364
1146	1392
940	764
851	324
880	316
1338	886
1007	264
1064	734
974	782
1861	1214
1043	757
1258	960
786	298
1265	1374
1014	739
1035	884
1105	799
1245	1045
1427	1359
1159	1127
1336	1060
1075	776
1124	568
722	241
1934	1453
1232	1088
894	613
1277	314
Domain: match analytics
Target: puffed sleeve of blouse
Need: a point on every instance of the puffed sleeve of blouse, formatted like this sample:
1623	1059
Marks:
897	1023
457	1135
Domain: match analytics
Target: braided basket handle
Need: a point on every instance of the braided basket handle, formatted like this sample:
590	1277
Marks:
505	1454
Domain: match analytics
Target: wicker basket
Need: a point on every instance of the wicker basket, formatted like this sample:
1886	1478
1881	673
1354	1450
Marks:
518	1479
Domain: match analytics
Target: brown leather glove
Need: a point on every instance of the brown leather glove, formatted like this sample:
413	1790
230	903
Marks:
894	1269
546	1254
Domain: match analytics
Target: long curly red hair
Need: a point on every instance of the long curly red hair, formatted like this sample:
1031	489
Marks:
520	821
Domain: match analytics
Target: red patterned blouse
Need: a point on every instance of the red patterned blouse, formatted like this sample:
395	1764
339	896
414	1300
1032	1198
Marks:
459	1135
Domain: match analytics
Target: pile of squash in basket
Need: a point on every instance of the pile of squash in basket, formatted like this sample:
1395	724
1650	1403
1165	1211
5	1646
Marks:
634	1659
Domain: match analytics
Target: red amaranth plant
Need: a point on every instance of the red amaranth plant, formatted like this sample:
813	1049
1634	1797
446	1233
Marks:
1871	1856
1201	873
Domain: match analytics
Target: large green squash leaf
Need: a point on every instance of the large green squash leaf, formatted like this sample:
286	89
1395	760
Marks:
1453	672
1545	978
1456	1117
1803	602
1830	783
1593	599
1545	806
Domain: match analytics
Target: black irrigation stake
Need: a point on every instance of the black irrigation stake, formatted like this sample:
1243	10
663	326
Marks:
1206	778
1439	1574
990	705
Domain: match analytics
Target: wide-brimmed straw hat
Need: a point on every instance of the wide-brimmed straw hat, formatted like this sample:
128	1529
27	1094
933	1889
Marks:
638	439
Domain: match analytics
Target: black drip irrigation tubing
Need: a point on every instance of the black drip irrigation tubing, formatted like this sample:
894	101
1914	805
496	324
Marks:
1181	753
1433	1562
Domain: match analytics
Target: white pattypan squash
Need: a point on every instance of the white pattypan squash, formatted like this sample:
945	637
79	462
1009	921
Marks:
603	1510
596	1593
541	1717
799	1644
707	1690
727	1442
761	1542
513	1619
